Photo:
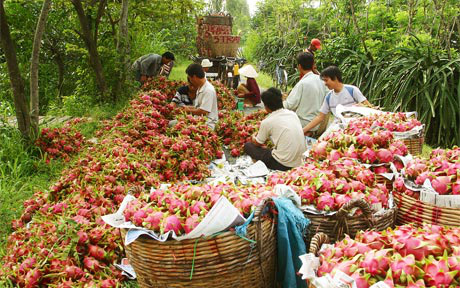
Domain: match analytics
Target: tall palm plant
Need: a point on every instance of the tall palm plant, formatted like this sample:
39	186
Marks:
414	78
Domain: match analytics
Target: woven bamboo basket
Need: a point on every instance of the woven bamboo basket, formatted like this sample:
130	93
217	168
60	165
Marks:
223	49
415	143
411	210
337	225
316	242
385	181
225	260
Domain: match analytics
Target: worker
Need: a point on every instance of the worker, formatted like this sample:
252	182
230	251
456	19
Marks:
205	103
149	65
283	128
315	45
308	94
249	91
343	94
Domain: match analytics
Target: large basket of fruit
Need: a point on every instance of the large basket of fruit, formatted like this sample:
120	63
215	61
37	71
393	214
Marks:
349	222
223	260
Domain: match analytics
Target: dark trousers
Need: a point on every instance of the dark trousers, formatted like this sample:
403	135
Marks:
236	81
264	155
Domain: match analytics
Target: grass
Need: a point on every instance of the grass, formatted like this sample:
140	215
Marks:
178	71
426	150
22	172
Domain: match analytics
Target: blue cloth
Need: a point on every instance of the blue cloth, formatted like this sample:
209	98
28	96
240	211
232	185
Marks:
242	229
292	226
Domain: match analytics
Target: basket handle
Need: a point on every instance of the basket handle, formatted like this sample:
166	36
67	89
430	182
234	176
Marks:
317	241
355	203
259	235
341	225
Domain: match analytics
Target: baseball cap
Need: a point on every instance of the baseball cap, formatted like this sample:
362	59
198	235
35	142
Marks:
315	42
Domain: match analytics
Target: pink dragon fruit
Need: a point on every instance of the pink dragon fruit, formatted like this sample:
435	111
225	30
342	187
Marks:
384	156
402	266
368	156
380	169
171	223
437	272
319	150
325	202
441	184
153	221
191	223
138	217
365	139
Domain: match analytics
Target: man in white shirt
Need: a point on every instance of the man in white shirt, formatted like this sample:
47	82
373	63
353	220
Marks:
205	103
283	128
308	94
346	95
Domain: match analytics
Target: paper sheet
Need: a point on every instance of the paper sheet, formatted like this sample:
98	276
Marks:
222	216
310	264
340	280
380	284
257	169
429	195
127	269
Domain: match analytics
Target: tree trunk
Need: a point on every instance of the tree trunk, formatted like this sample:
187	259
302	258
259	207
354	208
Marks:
122	49
91	45
363	40
61	71
17	84
34	62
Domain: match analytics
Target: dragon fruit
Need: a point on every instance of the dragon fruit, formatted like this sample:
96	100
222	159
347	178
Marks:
441	184
368	156
402	257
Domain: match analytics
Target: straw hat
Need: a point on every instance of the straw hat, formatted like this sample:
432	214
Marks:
248	71
206	63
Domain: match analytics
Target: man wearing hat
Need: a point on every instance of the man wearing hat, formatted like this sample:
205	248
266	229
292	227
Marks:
249	91
315	45
206	64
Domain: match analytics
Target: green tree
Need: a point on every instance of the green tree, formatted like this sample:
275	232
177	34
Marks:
239	10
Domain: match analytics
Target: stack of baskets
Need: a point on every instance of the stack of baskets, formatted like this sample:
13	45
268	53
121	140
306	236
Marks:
224	260
341	223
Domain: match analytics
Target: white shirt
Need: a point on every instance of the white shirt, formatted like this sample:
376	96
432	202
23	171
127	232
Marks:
284	130
306	98
343	97
206	99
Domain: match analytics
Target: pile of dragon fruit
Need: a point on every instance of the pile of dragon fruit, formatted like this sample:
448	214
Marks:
441	169
225	98
181	207
235	129
61	142
61	240
330	185
368	146
394	122
407	256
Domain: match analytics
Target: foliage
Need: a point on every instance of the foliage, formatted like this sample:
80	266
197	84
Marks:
373	43
239	10
21	172
66	79
417	78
